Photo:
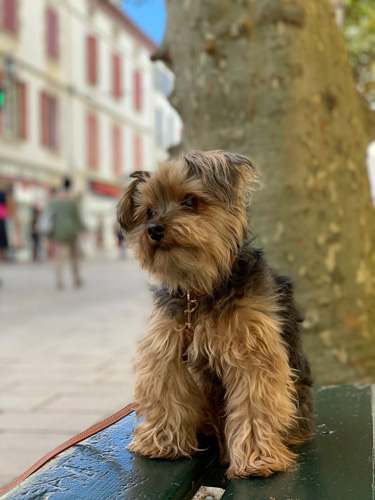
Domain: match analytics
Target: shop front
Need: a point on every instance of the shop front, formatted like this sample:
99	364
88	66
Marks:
98	210
31	191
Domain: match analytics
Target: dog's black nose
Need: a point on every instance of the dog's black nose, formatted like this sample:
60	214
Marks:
156	231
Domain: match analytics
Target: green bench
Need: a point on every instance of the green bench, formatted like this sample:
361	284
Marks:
337	464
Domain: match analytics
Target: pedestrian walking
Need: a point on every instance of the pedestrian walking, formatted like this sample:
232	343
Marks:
7	212
50	246
4	212
34	234
66	228
100	233
121	241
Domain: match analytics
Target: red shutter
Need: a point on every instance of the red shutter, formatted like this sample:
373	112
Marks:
92	141
92	60
116	76
55	35
96	143
49	32
138	90
44	119
52	21
117	150
138	153
10	15
89	140
55	139
1	109
22	110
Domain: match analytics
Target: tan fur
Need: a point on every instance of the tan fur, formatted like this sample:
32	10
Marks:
234	380
259	389
166	395
246	352
201	255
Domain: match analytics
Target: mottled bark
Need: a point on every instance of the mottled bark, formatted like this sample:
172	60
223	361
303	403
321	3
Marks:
271	79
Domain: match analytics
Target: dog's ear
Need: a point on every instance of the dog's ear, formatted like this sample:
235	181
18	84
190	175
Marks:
126	206
229	174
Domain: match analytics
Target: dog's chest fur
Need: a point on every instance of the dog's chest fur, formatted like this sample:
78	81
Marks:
251	282
207	321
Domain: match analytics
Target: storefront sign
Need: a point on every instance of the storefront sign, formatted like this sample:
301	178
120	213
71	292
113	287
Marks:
106	190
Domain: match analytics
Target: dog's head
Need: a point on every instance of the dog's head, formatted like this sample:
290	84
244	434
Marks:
187	220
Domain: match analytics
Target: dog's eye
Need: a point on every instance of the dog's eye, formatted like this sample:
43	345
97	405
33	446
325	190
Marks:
190	202
150	213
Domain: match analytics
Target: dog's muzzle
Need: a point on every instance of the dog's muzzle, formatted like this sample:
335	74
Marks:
156	231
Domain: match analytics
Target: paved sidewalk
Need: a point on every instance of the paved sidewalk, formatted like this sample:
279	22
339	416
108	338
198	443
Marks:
65	356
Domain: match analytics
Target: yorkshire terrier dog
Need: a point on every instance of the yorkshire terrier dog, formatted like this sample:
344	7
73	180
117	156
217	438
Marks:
223	355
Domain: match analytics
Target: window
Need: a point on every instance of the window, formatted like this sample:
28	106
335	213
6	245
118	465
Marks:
14	110
117	149
159	127
138	97
22	111
162	80
52	33
49	121
11	107
116	76
170	131
92	141
2	102
92	59
9	16
138	152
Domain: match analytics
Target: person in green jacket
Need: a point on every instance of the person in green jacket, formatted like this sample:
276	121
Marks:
66	228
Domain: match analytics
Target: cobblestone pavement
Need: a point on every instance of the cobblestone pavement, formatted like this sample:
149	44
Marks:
65	356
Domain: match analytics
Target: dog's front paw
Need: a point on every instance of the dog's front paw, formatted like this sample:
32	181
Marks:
159	443
263	466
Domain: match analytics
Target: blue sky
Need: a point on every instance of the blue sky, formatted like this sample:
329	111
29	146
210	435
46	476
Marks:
149	15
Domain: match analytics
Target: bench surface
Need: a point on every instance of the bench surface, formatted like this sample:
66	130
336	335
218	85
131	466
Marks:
336	464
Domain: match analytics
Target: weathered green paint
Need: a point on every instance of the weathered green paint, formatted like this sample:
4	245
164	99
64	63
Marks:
337	464
100	468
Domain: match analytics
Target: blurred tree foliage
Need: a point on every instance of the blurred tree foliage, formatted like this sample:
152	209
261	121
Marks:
359	32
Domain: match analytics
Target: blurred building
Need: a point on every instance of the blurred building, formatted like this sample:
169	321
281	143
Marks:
79	96
339	8
371	169
167	125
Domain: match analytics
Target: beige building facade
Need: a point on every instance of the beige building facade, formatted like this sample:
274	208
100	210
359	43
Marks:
81	98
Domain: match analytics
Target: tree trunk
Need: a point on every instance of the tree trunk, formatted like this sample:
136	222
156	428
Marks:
271	79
